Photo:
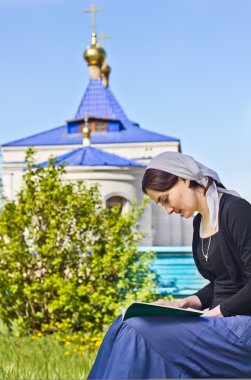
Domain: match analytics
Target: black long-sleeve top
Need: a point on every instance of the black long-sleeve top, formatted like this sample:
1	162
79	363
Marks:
235	246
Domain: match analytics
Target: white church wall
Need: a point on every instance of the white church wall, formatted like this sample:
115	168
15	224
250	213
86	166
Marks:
187	231
145	226
8	184
112	182
170	230
12	181
140	151
11	155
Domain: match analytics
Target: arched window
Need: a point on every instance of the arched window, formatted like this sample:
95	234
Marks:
116	200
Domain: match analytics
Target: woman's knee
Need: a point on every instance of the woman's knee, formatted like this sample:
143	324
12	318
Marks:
138	323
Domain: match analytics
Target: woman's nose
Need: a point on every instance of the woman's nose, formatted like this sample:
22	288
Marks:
168	209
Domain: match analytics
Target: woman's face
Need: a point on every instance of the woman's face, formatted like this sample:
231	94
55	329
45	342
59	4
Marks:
180	199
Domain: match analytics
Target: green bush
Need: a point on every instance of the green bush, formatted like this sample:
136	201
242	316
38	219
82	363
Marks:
67	263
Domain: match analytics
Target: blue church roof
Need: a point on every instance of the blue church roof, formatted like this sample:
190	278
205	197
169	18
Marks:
60	136
89	156
98	101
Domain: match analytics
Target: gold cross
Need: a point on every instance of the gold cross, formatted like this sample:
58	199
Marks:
104	37
93	10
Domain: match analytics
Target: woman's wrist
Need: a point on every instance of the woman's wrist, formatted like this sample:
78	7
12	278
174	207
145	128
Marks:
215	312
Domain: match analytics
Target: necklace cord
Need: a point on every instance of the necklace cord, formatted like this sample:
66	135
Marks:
202	245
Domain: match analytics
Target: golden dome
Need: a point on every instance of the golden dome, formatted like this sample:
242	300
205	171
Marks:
105	69
94	54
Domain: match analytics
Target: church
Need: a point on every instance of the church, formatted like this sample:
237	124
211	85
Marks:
100	144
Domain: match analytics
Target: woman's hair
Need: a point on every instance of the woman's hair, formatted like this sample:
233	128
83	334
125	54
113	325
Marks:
159	180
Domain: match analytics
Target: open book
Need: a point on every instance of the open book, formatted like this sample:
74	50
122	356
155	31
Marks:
137	309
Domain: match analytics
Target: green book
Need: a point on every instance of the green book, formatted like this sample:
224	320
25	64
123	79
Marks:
137	309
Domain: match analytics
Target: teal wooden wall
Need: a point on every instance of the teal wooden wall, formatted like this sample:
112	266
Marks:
176	271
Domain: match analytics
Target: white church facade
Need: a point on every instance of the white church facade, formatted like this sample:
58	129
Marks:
101	144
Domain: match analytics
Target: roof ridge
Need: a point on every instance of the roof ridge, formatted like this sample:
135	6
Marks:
84	153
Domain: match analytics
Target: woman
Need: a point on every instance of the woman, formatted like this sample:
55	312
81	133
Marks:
217	344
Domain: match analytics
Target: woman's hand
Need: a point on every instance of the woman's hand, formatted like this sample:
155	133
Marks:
215	312
176	303
191	301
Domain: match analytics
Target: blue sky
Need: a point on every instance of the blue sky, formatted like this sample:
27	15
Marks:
179	67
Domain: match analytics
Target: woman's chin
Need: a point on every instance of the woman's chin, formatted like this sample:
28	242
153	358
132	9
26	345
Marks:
186	214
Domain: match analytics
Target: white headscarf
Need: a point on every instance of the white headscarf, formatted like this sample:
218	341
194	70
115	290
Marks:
187	167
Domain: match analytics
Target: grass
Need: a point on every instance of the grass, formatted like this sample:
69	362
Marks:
41	358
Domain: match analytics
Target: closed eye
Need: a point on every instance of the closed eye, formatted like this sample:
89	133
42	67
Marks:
163	201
